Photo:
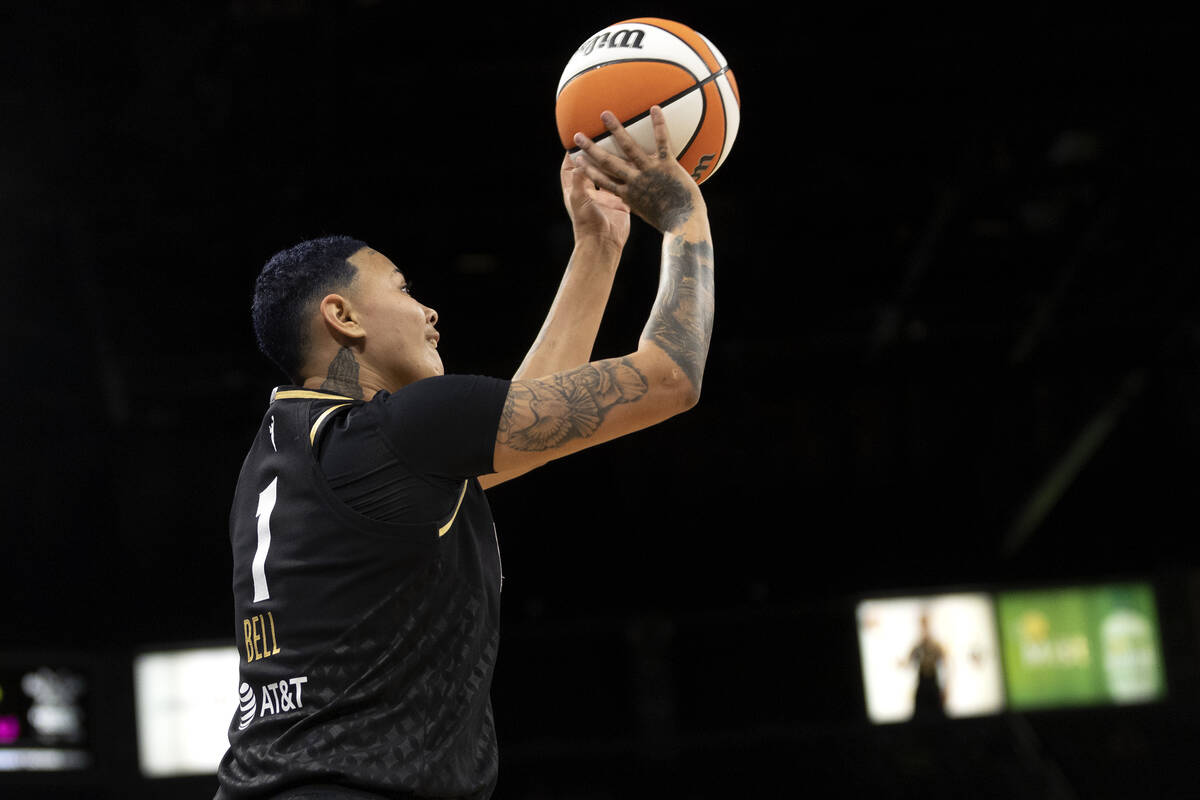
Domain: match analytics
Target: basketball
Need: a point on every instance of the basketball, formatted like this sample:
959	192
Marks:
635	64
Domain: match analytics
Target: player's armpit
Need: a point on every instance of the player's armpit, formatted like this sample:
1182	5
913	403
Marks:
548	418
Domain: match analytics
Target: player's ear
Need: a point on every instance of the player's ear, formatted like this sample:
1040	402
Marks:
340	317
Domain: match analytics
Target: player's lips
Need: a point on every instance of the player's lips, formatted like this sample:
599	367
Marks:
433	339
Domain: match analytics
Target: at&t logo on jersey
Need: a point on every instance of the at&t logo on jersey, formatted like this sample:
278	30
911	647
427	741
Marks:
277	698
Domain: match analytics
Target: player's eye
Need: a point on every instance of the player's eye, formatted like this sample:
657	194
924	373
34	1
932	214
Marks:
407	288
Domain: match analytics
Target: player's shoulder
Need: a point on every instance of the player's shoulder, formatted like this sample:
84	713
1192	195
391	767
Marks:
441	388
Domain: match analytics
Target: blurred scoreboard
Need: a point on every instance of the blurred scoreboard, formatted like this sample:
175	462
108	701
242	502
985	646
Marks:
959	632
977	653
46	716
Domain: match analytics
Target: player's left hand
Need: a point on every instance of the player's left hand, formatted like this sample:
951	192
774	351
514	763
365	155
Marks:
594	212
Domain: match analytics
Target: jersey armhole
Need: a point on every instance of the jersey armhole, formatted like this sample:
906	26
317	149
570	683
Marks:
442	529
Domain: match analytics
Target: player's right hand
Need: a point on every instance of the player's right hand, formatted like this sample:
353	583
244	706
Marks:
655	186
594	212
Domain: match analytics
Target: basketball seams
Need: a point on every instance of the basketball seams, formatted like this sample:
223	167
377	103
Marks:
725	118
674	98
724	121
729	131
703	116
664	103
661	82
709	62
666	61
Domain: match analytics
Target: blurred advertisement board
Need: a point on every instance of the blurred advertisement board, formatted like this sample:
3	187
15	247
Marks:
1081	646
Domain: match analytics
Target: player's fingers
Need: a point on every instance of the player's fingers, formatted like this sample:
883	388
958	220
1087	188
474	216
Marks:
633	151
580	182
662	136
601	159
566	172
601	179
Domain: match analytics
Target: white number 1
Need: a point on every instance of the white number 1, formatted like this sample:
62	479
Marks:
266	504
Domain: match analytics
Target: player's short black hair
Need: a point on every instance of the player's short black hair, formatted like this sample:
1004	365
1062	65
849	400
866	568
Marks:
288	284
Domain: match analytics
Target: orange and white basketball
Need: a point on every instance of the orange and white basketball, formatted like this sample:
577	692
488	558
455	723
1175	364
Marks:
635	64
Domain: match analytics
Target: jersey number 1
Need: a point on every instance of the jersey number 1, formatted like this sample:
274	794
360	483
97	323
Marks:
258	568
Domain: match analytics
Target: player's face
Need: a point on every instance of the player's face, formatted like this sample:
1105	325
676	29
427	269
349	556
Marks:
401	340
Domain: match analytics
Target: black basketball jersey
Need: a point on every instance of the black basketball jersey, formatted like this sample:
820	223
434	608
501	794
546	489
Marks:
367	647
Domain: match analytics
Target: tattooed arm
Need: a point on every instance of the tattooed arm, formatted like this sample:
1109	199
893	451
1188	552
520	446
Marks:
553	416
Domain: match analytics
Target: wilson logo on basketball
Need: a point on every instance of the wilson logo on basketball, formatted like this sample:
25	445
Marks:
613	39
702	165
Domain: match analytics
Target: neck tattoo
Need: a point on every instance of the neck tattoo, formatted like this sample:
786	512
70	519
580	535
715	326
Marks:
342	375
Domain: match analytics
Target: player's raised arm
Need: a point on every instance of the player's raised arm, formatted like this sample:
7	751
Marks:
600	225
550	417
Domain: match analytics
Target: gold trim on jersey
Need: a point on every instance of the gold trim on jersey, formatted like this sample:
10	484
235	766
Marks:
306	394
312	434
442	530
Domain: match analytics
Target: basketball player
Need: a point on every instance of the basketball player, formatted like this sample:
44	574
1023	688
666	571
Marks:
366	564
929	657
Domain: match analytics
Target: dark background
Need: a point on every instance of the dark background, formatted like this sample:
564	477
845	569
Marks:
956	346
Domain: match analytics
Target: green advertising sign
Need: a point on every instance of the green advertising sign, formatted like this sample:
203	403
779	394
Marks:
1080	646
